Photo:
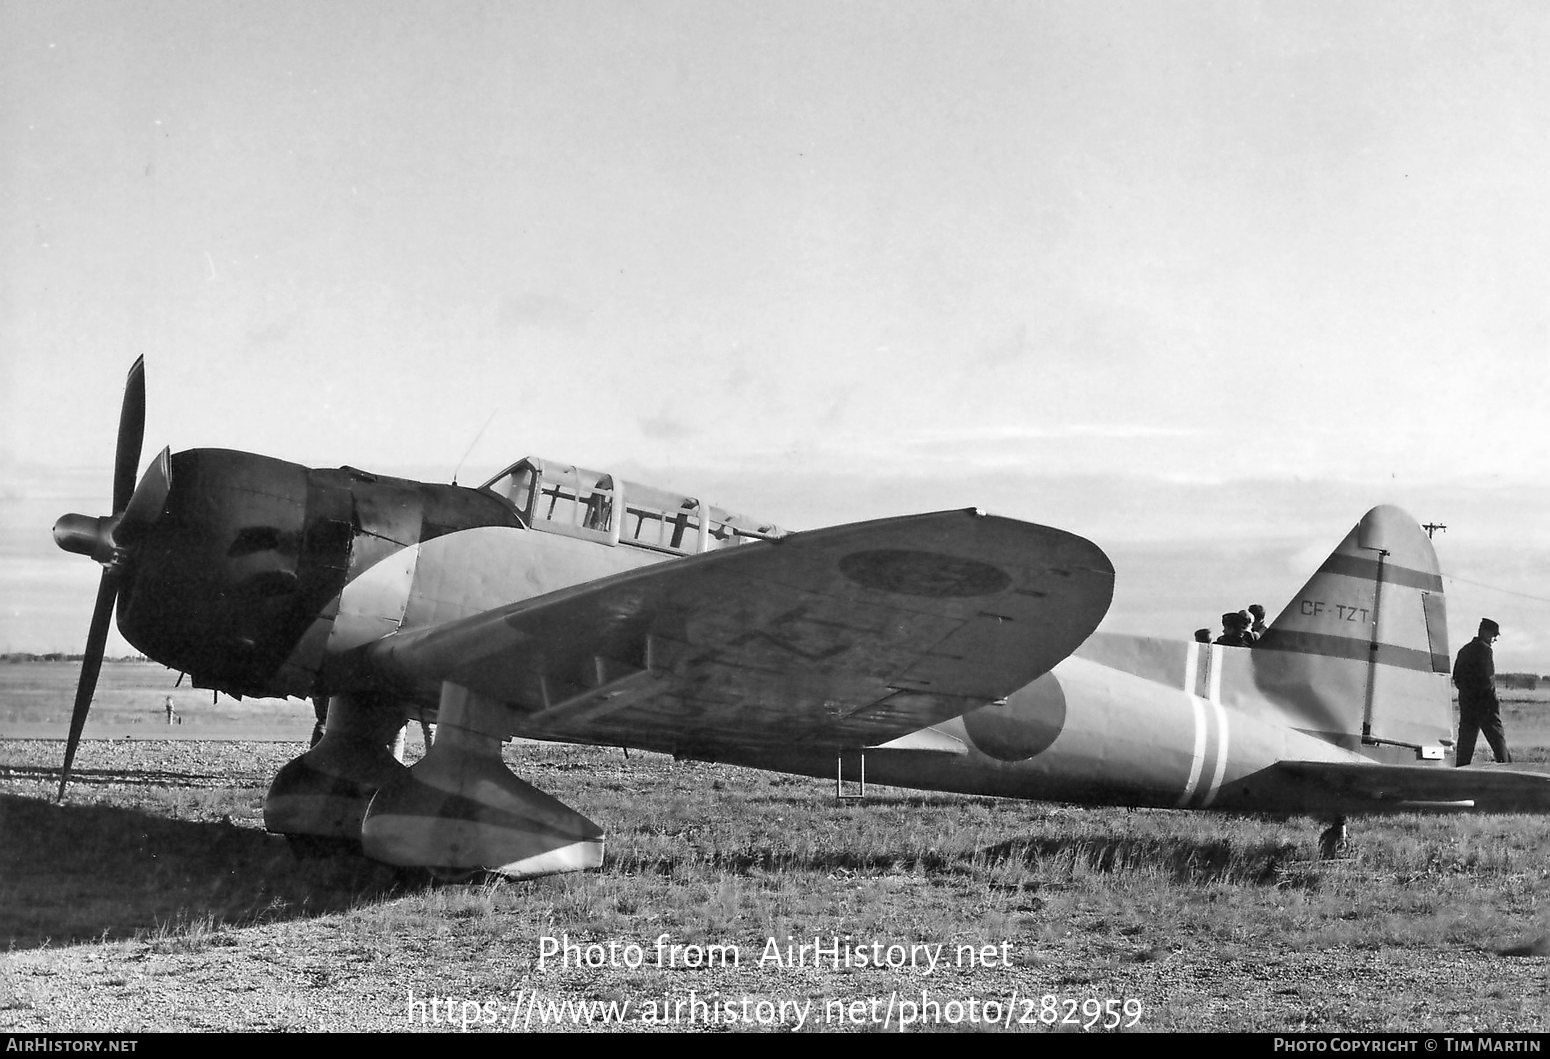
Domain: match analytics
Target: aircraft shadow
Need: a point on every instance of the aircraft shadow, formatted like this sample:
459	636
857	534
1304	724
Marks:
76	873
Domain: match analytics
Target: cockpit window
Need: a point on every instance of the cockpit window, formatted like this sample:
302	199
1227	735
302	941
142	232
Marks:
519	490
562	498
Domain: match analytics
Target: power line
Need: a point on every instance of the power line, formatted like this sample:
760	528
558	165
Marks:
1493	588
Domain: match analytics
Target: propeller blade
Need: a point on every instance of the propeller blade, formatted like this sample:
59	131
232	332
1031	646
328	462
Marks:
91	665
146	505
131	434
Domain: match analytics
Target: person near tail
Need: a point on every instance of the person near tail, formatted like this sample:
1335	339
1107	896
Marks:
1235	630
1257	625
1474	674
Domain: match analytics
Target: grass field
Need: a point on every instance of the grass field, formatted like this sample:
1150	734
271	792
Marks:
153	899
131	698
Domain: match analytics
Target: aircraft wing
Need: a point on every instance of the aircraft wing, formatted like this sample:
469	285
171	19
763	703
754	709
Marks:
842	637
1488	788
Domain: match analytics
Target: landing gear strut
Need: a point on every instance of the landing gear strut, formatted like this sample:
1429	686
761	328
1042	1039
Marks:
460	810
324	793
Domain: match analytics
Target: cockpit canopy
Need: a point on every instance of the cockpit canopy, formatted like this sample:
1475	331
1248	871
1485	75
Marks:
561	498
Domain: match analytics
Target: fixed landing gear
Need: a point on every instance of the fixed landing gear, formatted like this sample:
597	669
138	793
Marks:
324	793
457	814
459	809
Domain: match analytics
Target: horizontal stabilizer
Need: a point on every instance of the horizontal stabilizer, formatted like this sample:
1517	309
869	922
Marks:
1390	788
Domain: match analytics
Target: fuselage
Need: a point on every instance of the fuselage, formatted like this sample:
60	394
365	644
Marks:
1090	733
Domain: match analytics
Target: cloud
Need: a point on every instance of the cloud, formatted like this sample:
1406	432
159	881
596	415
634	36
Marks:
665	426
1012	434
273	330
544	311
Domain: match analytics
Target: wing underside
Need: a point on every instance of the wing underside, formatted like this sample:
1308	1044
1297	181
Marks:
840	637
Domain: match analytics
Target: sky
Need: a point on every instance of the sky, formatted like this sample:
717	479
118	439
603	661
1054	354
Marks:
1202	282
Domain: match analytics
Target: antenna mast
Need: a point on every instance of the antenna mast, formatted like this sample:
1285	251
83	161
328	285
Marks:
471	445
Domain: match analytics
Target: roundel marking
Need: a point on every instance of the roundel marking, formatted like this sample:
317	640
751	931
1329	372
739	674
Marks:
915	573
1026	726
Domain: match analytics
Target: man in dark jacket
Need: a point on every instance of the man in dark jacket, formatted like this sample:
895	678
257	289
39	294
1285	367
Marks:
1474	674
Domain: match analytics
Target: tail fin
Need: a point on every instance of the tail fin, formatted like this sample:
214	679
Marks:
1360	656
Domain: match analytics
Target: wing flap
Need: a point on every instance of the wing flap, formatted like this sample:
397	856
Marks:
850	635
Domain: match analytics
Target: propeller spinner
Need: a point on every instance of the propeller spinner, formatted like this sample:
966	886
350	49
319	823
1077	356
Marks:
110	539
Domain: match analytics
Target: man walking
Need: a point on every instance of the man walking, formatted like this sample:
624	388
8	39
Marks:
1474	674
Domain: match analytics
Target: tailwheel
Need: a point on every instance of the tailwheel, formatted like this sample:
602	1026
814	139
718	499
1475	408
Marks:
1333	843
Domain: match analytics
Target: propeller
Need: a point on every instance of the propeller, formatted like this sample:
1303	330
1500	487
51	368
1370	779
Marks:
110	539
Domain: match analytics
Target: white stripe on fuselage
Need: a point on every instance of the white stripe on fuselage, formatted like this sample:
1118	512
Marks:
1221	742
1213	698
1191	674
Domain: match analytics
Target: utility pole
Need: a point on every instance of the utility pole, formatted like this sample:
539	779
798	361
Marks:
1431	528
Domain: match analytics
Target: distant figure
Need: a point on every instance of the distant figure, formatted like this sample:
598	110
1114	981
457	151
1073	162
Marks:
1474	674
171	710
1257	624
1202	635
1235	630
